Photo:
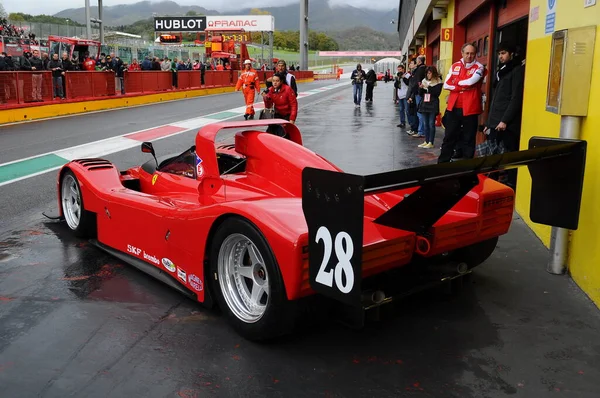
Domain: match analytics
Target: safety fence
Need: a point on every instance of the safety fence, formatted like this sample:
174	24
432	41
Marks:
31	88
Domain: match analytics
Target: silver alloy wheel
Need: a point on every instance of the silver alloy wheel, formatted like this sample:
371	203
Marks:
71	201
243	278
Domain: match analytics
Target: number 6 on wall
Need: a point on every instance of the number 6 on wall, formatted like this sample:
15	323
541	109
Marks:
343	268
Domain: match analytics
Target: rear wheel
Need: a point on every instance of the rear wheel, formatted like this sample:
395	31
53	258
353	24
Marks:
79	220
247	282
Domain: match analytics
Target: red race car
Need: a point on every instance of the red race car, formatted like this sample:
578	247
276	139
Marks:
257	225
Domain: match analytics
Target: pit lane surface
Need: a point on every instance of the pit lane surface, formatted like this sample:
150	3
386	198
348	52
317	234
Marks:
77	322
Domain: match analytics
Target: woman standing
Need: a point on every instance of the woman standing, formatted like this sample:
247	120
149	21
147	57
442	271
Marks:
282	97
429	89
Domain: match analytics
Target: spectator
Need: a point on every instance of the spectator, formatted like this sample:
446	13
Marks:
67	65
134	66
34	63
122	67
56	66
146	64
165	65
464	82
45	61
156	64
414	96
401	88
429	107
89	63
371	80
290	79
358	77
282	98
503	127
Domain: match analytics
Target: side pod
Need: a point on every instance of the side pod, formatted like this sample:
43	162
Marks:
333	204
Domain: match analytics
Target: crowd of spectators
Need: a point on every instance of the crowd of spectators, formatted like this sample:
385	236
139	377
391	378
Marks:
10	30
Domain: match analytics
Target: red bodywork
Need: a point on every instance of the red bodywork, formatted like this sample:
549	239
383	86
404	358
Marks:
268	194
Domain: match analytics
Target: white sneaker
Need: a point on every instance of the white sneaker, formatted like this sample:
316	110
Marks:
423	145
428	146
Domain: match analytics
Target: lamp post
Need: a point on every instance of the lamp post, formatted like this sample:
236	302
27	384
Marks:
67	20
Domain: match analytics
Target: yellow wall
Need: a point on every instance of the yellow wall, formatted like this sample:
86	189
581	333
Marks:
585	242
446	49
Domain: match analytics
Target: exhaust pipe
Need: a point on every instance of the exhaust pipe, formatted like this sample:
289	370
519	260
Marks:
373	297
462	268
423	246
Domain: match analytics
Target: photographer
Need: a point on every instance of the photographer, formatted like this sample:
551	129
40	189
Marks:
282	98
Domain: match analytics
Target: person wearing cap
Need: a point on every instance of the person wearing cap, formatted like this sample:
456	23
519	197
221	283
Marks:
249	83
503	126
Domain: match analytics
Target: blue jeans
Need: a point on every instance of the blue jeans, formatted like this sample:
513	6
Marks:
402	107
428	126
357	93
420	117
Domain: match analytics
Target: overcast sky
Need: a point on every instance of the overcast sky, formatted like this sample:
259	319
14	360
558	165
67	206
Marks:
36	7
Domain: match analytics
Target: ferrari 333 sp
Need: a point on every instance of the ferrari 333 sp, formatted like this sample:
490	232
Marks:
260	224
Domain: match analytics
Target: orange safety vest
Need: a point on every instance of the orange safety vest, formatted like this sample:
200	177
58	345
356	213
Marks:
466	97
248	79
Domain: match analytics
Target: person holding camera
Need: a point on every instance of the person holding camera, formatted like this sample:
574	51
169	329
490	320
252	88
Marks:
282	98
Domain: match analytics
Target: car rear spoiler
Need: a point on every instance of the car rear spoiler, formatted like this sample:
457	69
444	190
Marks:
333	204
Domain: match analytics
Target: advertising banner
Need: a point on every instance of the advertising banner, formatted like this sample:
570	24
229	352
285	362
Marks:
179	24
247	23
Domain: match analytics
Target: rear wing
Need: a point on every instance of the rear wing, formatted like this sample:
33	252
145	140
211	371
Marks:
333	204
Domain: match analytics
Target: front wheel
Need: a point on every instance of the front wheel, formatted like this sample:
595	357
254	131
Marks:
247	282
79	220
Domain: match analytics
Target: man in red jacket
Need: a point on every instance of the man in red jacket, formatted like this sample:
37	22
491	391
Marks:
464	82
283	98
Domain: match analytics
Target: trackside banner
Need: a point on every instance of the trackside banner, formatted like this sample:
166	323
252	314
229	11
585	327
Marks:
247	23
179	24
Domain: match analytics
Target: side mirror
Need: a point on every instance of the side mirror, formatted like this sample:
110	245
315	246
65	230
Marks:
147	147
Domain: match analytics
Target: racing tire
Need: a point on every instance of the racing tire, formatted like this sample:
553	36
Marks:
240	262
78	219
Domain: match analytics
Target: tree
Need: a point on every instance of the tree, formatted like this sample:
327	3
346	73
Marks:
3	11
16	16
191	13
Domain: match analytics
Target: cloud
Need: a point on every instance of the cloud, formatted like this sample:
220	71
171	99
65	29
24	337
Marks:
52	7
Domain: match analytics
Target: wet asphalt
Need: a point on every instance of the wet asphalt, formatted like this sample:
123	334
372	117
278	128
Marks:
77	322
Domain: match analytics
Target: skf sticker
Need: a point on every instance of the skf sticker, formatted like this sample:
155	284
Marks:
154	178
199	167
181	275
168	264
142	254
195	282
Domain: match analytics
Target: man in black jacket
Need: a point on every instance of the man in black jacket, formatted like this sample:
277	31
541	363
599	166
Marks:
504	119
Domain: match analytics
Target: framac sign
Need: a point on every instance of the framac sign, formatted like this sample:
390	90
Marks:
179	24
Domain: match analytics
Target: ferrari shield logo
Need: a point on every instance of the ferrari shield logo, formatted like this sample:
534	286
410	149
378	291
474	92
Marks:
154	178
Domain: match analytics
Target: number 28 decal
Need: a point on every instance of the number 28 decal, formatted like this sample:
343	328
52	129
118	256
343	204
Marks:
343	267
